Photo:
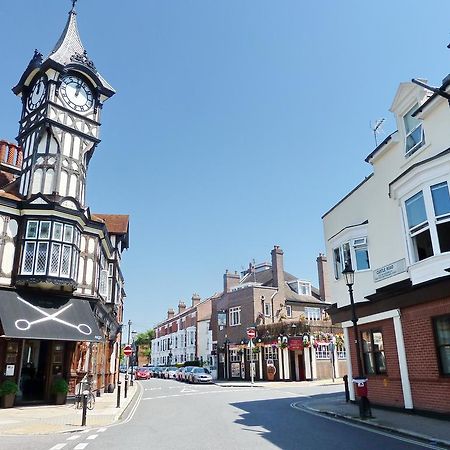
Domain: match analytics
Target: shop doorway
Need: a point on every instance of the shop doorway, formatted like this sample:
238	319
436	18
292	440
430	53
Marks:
34	373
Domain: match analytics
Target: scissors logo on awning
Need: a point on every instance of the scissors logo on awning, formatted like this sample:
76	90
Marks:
24	324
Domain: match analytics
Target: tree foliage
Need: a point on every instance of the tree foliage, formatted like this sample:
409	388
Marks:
145	337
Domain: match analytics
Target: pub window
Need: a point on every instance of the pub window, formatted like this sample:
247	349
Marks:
442	334
373	352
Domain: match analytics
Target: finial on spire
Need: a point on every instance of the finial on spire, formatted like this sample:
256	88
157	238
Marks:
74	2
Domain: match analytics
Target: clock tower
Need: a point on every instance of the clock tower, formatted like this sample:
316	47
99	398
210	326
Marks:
62	97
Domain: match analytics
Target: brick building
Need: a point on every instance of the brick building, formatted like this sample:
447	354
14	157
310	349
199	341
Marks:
393	230
293	331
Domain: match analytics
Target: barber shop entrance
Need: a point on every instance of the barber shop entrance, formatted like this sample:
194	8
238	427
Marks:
42	362
38	335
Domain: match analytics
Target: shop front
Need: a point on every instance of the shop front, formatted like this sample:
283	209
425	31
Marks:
38	338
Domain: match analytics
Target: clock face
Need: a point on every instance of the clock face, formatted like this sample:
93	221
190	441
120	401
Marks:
37	94
76	93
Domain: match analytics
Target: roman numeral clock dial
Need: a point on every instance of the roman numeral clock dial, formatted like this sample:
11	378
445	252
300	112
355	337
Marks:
37	94
76	93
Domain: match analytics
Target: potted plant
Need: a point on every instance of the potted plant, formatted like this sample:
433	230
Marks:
271	370
60	388
8	390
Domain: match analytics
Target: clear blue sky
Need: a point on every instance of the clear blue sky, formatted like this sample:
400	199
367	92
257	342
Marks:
236	124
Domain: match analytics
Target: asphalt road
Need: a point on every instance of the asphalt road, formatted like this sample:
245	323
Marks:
172	415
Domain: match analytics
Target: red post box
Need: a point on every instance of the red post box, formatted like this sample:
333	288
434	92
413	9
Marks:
360	386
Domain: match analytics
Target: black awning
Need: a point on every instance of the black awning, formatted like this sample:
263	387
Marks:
36	316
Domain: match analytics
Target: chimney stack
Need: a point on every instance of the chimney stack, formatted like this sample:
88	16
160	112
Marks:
170	313
322	271
195	299
181	307
277	267
230	280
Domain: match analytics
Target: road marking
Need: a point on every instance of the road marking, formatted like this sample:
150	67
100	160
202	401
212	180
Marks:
92	436
362	427
185	394
58	446
188	390
72	438
101	430
152	389
81	446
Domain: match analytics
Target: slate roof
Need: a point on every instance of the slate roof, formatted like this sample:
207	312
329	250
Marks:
265	277
69	46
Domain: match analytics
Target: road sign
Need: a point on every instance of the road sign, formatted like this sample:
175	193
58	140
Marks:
251	333
127	351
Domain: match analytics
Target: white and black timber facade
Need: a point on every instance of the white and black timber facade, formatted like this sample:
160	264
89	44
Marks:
61	285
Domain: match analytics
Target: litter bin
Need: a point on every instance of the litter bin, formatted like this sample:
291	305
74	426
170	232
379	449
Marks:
361	386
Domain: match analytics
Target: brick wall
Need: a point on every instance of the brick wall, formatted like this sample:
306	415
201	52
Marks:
385	389
430	390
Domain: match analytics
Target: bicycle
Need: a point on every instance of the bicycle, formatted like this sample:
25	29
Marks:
90	396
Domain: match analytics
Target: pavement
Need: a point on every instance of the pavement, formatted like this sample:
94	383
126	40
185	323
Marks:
431	430
48	419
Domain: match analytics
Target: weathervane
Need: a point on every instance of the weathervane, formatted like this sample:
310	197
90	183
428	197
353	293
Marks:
74	2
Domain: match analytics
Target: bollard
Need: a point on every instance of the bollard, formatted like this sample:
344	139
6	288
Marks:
118	395
126	387
83	417
347	392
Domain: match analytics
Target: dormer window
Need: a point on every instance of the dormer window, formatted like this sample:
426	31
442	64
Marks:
414	138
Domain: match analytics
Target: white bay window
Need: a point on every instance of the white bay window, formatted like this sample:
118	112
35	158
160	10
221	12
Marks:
428	220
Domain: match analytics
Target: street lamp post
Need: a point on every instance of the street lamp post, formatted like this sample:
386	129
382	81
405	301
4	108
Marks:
133	356
349	275
128	360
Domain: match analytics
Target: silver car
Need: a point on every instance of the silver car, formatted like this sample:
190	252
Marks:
200	375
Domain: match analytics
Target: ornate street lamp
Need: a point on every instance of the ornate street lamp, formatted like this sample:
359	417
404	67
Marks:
364	404
349	275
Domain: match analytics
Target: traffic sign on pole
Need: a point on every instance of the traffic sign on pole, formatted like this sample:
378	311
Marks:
251	333
127	350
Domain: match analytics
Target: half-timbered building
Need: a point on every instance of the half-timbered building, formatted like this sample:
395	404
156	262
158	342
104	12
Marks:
61	285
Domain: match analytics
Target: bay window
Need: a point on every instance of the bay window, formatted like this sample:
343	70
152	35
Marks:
354	251
50	248
428	220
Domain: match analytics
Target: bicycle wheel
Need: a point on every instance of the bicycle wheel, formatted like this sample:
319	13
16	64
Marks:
91	401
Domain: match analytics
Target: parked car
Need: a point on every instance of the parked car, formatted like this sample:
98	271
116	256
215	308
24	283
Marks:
156	371
187	371
180	374
171	373
123	368
142	373
200	375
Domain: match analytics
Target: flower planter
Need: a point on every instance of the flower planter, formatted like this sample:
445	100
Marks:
7	400
60	398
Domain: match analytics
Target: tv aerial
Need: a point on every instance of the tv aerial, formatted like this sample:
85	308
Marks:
377	129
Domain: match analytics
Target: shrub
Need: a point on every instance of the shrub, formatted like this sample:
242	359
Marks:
60	386
8	387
